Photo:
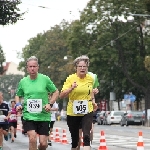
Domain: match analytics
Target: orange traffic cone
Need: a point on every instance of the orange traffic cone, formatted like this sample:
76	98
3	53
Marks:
64	138
102	142
82	143
57	138
51	136
140	144
18	127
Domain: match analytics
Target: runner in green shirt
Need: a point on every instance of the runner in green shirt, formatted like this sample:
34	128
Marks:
96	83
36	111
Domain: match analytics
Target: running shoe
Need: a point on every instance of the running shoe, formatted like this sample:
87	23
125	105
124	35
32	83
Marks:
15	135
6	137
12	141
49	143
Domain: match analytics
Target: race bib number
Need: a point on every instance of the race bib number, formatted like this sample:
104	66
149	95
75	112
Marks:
2	118
34	105
13	117
80	107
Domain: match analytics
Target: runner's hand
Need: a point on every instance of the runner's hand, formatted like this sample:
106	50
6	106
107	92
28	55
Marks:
6	118
74	85
18	108
47	107
95	91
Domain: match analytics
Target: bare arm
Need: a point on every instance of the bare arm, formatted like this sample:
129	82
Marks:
54	97
17	99
93	102
53	109
65	93
9	113
18	103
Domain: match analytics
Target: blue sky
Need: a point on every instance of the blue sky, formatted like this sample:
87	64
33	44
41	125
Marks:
14	37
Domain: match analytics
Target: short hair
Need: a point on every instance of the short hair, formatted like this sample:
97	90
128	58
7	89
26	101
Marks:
82	58
32	58
13	101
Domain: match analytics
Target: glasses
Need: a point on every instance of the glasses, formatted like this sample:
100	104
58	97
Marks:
82	66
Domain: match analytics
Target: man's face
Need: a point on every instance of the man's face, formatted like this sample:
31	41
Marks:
32	67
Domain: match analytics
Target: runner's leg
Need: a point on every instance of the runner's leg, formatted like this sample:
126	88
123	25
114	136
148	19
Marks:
1	137
43	142
91	133
73	123
80	137
12	133
32	139
42	130
86	128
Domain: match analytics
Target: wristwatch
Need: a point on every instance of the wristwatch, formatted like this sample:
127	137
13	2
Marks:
51	105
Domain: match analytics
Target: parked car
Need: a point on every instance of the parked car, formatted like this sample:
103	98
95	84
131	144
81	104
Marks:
100	117
132	118
114	117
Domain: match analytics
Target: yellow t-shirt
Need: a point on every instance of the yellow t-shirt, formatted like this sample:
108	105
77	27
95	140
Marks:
81	92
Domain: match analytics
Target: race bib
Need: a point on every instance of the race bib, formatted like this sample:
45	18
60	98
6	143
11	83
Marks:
34	105
13	117
80	107
2	118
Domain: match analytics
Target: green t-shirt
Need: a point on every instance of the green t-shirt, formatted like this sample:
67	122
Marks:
35	94
96	83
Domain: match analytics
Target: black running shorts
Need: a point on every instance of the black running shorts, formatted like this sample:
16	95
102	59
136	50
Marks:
40	127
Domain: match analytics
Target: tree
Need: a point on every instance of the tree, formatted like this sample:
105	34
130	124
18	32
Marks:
50	48
9	12
2	60
147	3
116	48
8	85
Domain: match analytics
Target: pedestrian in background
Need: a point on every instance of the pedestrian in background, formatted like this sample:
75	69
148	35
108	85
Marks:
4	109
34	90
79	88
13	121
53	111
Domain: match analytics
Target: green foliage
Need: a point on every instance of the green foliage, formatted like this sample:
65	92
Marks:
50	49
121	60
8	85
9	12
147	4
2	60
116	48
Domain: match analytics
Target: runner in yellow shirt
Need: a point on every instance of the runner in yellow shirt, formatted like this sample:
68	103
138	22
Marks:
95	91
79	88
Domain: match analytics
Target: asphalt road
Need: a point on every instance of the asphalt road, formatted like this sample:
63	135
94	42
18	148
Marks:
117	138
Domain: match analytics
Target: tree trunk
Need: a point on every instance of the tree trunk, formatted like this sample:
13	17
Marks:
119	100
147	106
